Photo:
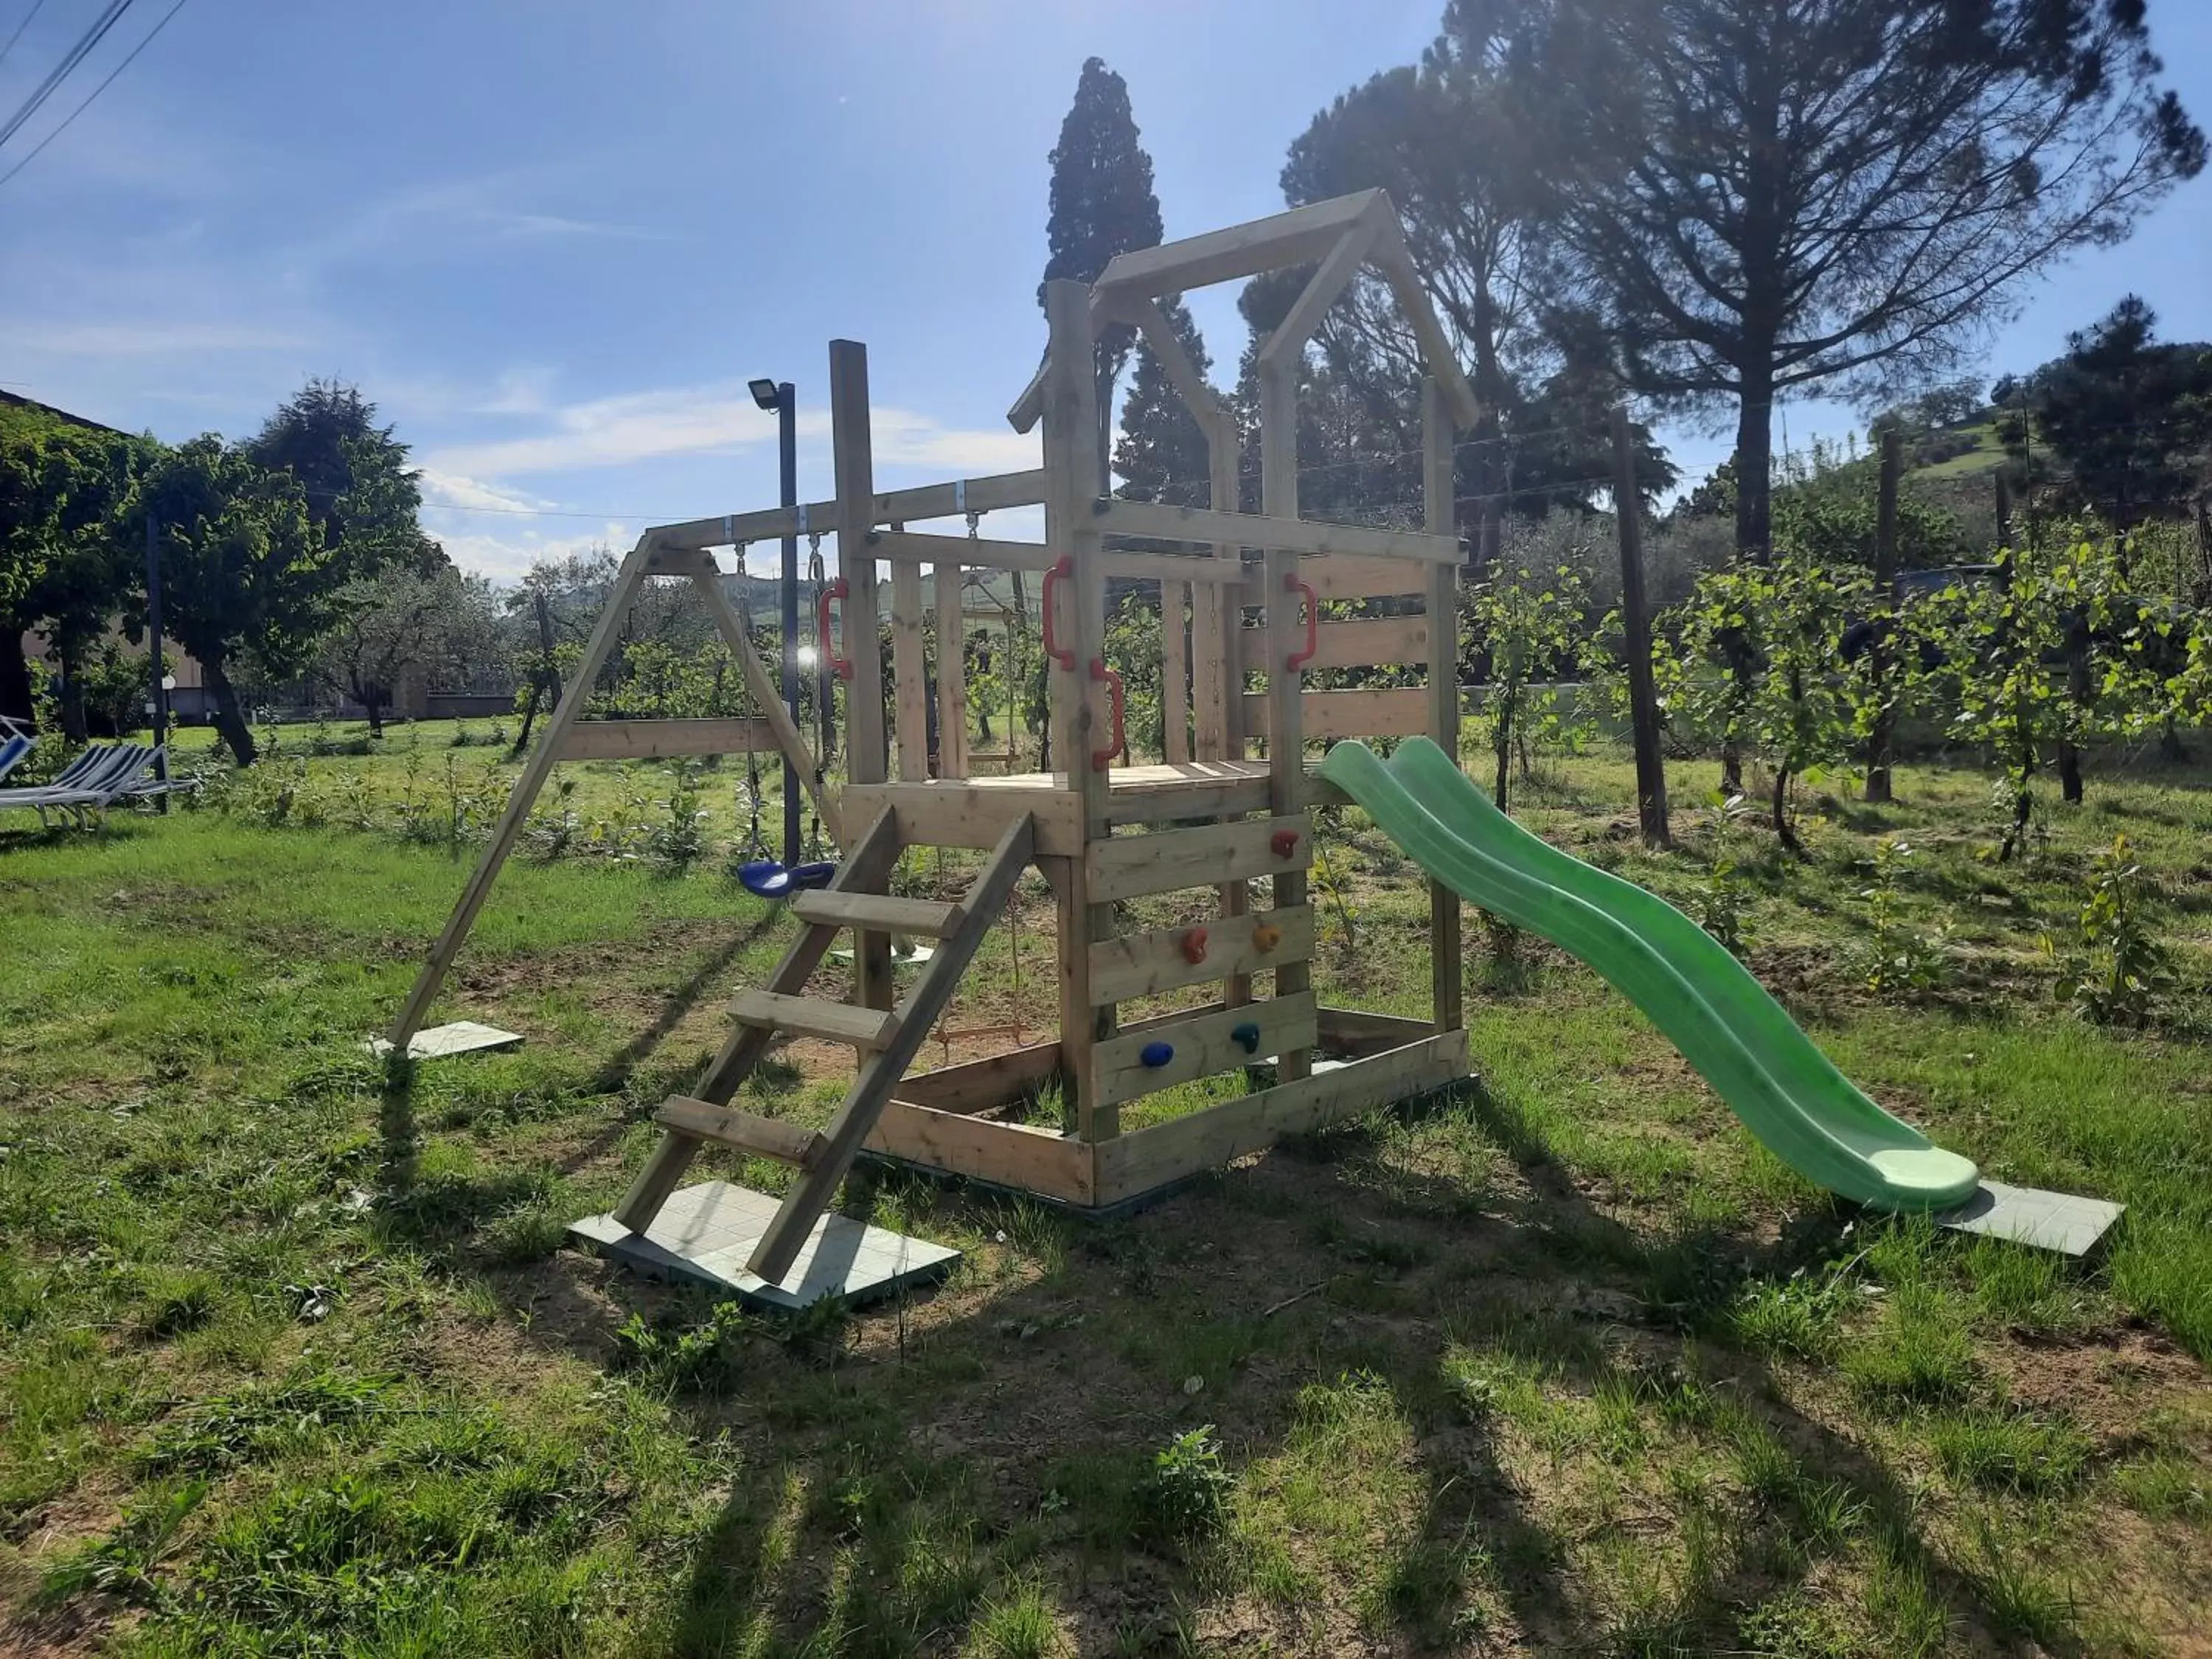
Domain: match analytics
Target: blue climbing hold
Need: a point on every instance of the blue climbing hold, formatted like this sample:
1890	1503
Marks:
1157	1053
1246	1037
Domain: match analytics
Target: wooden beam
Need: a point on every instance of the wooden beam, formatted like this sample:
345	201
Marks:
769	701
1147	1158
1361	642
1345	577
1204	403
1171	566
924	501
910	671
645	739
832	1022
973	551
1071	455
521	799
1287	344
746	1132
867	760
1168	860
1013	1155
1277	532
927	918
1275	243
1329	715
1447	970
981	1085
1174	669
1202	1045
1286	625
1392	257
971	813
1146	965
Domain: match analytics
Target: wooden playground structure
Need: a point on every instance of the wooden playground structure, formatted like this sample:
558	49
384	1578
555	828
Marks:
1206	821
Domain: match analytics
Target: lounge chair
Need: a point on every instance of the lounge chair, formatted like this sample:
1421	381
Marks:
12	750
89	784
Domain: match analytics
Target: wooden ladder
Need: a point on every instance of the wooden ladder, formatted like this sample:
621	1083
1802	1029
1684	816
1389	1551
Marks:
888	1039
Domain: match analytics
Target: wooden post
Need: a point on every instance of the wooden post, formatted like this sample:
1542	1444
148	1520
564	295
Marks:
910	671
1636	619
1287	759
867	760
2004	510
409	1020
951	674
1070	459
1174	676
1439	510
1881	740
1217	618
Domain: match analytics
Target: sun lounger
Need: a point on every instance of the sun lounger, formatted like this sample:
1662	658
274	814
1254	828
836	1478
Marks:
89	785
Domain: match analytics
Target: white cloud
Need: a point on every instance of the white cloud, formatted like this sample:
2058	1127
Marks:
641	426
450	489
506	556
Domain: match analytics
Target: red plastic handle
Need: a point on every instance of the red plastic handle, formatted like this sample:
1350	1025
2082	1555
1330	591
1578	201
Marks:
1291	584
1103	758
1061	569
841	667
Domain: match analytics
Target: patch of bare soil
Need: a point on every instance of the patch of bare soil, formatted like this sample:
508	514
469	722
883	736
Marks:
2108	1379
35	1542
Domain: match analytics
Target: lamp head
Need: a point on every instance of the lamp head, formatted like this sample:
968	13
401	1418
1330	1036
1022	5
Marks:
764	392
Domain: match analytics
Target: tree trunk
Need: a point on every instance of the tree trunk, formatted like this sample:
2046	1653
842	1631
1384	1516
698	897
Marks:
72	700
1754	467
16	699
2079	692
1504	746
229	718
529	713
1636	627
1784	831
1881	741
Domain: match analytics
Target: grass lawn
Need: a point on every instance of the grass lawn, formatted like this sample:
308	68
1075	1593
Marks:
294	1359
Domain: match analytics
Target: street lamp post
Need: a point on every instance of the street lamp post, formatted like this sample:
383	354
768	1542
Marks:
783	397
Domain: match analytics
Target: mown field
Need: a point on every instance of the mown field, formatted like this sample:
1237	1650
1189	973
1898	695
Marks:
294	1358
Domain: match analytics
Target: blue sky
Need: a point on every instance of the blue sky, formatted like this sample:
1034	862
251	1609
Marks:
552	240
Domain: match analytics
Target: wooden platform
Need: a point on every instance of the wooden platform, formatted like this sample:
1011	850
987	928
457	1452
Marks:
975	812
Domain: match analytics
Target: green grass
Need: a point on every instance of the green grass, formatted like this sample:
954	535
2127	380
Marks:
291	1360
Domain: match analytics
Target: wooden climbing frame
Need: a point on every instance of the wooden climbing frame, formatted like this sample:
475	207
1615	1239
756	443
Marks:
1211	817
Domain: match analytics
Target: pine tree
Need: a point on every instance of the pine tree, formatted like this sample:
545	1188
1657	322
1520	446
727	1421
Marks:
1163	454
1102	205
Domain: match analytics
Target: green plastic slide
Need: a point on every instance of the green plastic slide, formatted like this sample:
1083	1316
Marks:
1702	999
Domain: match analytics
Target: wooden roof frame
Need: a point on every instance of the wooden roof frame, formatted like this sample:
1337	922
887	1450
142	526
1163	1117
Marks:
1344	234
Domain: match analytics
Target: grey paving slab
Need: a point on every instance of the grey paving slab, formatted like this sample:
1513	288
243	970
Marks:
704	1234
463	1036
2028	1215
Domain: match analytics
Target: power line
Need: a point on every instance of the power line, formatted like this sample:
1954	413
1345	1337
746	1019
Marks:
20	27
95	91
94	33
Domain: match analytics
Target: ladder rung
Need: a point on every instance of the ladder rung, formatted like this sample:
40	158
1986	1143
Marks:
769	1137
880	912
836	1022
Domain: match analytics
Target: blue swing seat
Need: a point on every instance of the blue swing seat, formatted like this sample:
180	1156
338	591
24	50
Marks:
769	879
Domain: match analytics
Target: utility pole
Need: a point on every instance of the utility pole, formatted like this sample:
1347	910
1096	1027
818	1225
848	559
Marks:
160	706
1636	621
786	438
